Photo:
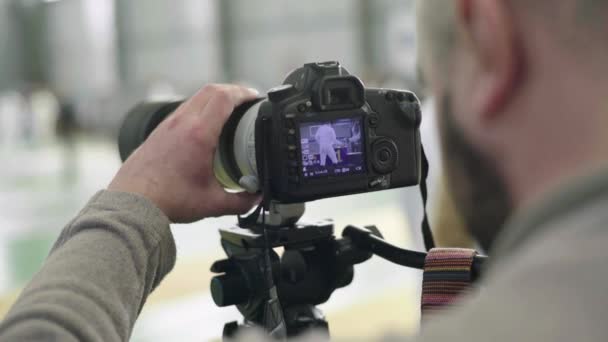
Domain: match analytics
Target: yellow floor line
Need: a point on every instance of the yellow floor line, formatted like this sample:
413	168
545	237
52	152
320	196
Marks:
6	301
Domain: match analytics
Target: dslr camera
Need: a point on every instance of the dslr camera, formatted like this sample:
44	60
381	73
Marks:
321	134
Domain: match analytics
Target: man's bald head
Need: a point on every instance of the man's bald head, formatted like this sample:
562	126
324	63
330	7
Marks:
573	22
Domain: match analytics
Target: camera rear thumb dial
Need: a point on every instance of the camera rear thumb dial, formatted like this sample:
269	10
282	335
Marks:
384	156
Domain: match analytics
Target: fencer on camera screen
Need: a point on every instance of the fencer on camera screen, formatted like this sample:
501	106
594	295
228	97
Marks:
332	148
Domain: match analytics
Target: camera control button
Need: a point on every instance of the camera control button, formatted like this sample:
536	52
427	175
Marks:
385	156
382	182
291	139
411	113
373	120
290	124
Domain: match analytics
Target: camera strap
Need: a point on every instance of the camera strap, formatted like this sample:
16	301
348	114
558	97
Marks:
273	319
449	273
448	276
427	234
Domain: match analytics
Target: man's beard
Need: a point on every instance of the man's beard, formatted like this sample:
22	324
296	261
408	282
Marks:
479	193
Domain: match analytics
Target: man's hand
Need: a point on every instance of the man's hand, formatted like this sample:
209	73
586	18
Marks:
174	167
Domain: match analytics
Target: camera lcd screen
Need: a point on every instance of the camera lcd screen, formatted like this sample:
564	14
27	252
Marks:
333	148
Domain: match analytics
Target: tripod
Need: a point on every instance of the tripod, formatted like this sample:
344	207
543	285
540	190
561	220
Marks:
313	265
280	294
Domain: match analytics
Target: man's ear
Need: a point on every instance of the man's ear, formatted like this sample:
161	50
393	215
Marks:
490	38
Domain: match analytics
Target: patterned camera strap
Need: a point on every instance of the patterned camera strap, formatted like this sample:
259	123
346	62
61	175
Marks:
447	277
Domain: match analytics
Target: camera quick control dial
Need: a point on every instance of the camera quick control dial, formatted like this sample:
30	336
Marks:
385	156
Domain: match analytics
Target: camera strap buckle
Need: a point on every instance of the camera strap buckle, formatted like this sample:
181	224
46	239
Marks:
448	276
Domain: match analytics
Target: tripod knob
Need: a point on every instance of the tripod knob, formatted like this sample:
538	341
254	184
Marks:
228	290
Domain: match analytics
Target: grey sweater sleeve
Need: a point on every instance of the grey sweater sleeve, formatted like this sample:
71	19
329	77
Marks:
98	275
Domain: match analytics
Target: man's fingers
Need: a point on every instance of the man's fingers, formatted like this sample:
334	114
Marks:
198	102
222	104
237	204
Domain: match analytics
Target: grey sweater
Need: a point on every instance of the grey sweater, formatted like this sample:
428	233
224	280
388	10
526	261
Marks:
98	275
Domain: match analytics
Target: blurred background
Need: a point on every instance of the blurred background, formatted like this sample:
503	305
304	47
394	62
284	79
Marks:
70	70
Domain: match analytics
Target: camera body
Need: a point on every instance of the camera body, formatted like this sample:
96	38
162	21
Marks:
323	134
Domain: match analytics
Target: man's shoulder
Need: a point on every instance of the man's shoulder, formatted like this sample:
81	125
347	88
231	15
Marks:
550	288
566	236
566	256
565	243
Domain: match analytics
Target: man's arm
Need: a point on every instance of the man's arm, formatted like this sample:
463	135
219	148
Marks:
98	275
117	250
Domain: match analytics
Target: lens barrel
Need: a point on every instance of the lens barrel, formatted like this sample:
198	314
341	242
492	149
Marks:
235	155
140	122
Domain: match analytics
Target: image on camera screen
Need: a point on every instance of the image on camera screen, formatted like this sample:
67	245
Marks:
332	148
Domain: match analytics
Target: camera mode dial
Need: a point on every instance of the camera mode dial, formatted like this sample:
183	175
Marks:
281	93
